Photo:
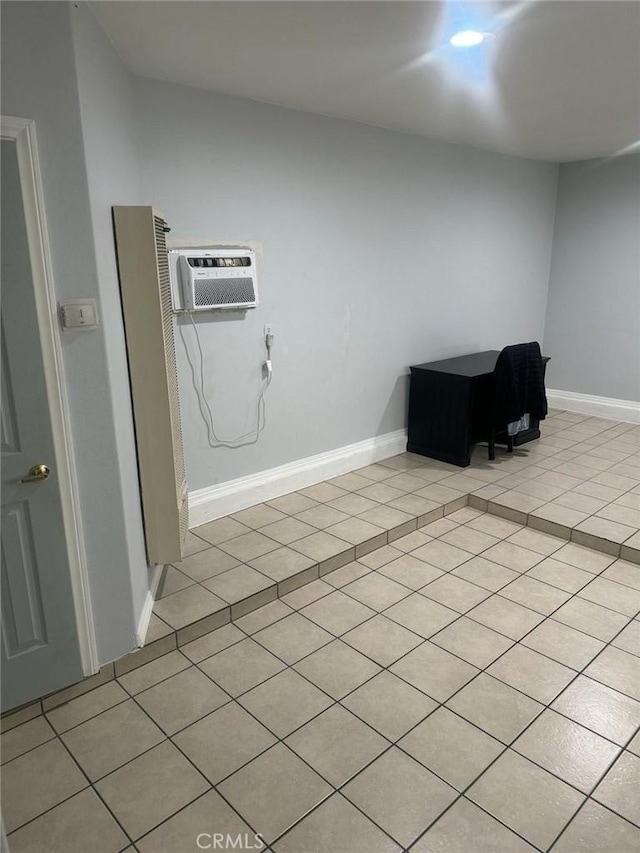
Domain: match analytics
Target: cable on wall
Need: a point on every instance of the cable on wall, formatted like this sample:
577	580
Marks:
197	378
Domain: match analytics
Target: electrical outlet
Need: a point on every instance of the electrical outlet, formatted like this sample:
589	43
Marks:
268	330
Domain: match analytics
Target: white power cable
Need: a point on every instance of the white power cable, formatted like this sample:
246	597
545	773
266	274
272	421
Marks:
213	439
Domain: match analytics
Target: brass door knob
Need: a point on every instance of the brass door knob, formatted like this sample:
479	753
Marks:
37	474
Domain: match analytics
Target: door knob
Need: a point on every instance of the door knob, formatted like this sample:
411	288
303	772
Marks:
37	474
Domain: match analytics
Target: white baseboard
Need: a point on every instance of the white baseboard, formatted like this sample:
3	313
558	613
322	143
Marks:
215	501
601	407
147	610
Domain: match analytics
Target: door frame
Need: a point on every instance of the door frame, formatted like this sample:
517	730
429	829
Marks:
23	132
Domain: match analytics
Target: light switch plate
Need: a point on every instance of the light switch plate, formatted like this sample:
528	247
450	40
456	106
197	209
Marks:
79	314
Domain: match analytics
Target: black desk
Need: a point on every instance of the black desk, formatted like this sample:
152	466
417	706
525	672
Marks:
449	408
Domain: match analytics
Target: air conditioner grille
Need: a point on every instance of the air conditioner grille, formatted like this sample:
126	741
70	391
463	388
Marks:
170	349
223	291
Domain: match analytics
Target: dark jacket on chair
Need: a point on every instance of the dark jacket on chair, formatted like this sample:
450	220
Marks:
519	384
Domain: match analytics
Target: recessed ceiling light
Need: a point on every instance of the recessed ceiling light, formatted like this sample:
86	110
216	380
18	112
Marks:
469	38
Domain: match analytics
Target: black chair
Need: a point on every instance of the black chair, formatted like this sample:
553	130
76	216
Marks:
492	443
517	389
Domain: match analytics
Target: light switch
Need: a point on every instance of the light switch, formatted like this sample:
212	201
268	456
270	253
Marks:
79	314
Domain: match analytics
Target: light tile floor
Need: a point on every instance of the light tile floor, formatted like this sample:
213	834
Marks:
471	685
394	704
581	480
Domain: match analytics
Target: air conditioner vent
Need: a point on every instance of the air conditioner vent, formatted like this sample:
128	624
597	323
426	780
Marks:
223	291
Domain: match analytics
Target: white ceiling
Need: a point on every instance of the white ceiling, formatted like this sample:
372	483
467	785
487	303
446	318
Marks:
560	81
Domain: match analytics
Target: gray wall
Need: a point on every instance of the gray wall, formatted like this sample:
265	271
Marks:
39	82
380	250
107	112
593	313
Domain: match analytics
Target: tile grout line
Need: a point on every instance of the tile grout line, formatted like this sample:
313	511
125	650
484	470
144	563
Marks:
212	786
509	746
420	591
279	741
391	476
621	748
442	704
398	746
444	515
412	591
396	472
89	786
423	639
332	698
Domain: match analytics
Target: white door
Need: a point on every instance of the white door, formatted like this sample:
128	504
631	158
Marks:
41	650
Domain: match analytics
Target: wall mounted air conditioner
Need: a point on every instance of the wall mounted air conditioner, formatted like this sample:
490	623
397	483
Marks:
207	279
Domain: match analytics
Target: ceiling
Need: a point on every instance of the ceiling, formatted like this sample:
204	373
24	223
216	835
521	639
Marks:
560	81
